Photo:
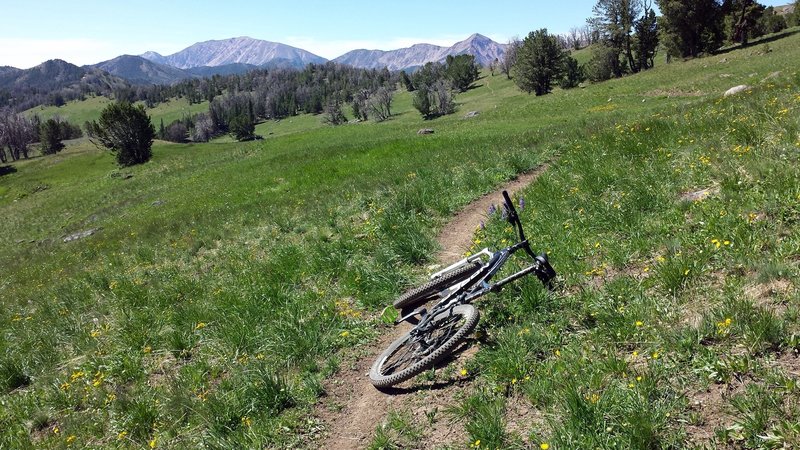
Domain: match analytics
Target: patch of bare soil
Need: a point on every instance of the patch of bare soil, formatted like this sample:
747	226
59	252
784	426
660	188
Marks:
352	408
710	412
772	295
522	417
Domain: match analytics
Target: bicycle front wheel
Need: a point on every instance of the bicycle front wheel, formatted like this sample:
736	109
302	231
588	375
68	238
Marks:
433	287
410	355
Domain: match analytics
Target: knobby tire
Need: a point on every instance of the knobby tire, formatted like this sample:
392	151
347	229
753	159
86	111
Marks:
433	287
390	368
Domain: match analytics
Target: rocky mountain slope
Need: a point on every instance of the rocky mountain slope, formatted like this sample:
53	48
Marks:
243	50
139	70
484	49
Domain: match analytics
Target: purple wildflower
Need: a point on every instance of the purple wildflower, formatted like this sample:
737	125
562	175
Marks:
483	225
492	209
521	203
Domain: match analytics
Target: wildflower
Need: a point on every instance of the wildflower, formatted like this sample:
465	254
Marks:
122	435
344	334
686	272
639	323
76	375
655	355
463	372
521	203
492	209
153	443
635	353
716	242
639	378
246	421
70	439
476	444
147	349
483	225
544	446
95	333
200	326
646	269
513	381
56	430
558	352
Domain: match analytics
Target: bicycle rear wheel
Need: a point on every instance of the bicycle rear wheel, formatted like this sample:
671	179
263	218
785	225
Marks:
433	287
410	355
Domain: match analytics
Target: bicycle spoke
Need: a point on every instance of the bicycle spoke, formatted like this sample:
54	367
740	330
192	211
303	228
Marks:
412	352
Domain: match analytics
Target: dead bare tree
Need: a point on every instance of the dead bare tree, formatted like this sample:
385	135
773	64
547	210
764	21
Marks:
16	132
380	104
510	56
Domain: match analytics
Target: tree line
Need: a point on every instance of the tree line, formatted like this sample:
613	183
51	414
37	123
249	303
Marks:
626	35
17	132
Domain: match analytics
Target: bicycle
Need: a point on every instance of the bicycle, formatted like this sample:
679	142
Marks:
452	318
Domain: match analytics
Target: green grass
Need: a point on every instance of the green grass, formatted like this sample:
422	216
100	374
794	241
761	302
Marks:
78	112
221	276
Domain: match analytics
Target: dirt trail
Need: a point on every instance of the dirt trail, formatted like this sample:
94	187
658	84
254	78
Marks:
353	408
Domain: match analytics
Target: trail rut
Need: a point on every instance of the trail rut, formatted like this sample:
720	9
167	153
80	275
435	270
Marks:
353	408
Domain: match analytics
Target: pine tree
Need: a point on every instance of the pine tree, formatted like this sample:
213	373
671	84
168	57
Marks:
126	131
50	137
691	27
539	62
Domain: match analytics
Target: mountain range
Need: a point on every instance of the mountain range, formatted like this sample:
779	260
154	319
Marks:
484	49
220	57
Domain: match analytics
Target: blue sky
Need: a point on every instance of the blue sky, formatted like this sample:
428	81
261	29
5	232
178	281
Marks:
90	31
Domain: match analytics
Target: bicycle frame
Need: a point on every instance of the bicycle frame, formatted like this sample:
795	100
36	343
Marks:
479	283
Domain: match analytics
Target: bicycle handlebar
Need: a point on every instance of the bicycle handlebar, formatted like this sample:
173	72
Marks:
545	271
513	218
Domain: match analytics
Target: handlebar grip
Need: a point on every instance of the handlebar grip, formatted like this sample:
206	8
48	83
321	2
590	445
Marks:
512	212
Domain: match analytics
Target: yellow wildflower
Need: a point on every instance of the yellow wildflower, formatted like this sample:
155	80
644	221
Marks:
545	445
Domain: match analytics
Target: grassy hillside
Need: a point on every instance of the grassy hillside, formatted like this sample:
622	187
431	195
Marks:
78	112
219	278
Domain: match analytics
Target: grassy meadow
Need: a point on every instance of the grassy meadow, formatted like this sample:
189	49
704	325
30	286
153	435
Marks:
78	112
220	281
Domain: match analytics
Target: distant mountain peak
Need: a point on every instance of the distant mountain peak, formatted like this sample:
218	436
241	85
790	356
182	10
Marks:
235	50
483	48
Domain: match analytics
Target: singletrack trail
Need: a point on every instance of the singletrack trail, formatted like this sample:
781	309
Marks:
353	408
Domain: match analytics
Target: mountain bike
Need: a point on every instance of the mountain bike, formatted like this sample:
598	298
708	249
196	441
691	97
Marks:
452	318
